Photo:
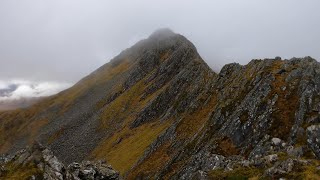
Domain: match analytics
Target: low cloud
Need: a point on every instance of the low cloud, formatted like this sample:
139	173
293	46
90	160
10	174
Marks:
18	89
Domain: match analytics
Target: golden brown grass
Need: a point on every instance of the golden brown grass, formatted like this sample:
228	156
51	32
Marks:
125	146
192	123
34	127
284	116
123	107
55	136
238	173
164	56
102	76
153	163
20	172
226	147
122	155
18	125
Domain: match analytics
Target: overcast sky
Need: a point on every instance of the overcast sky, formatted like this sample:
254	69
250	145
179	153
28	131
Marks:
60	41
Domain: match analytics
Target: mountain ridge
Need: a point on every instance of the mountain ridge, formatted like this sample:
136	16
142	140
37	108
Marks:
157	110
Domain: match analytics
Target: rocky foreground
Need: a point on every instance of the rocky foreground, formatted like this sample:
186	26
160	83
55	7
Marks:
280	161
38	162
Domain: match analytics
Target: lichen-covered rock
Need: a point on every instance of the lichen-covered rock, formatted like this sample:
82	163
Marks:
90	170
276	141
313	134
282	168
38	162
295	151
271	158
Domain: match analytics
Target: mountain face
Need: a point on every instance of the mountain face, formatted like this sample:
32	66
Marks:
158	111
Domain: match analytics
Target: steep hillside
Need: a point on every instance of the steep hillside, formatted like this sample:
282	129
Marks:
158	111
18	103
130	98
266	107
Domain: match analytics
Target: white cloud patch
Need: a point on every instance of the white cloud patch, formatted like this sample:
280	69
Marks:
17	89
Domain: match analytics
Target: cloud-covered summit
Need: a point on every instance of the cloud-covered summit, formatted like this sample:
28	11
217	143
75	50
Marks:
66	40
62	41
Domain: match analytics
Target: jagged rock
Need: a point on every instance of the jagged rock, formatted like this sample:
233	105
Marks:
276	141
295	152
53	169
313	134
50	168
245	163
90	170
271	158
282	168
277	58
73	170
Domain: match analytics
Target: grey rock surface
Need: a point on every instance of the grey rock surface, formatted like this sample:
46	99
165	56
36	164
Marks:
50	168
313	134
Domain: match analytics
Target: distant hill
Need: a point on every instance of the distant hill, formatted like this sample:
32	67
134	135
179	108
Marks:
157	111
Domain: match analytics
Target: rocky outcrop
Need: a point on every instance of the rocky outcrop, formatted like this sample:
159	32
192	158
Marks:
313	135
38	162
90	170
261	109
277	161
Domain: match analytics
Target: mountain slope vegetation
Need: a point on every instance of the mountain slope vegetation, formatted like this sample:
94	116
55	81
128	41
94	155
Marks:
158	111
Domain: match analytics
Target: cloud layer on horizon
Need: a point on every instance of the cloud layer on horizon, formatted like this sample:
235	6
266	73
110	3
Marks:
19	89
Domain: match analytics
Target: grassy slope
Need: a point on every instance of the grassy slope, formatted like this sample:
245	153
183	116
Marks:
126	145
25	123
21	172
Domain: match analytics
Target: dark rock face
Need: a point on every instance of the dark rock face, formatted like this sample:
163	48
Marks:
38	162
261	112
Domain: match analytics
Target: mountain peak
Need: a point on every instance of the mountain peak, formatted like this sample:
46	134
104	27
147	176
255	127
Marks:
158	111
162	33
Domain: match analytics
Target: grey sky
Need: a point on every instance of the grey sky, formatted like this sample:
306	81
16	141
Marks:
64	40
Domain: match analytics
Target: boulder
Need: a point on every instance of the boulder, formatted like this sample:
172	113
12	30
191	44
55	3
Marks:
295	152
282	168
313	139
276	141
49	167
271	158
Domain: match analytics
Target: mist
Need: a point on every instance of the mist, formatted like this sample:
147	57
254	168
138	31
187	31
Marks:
59	41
